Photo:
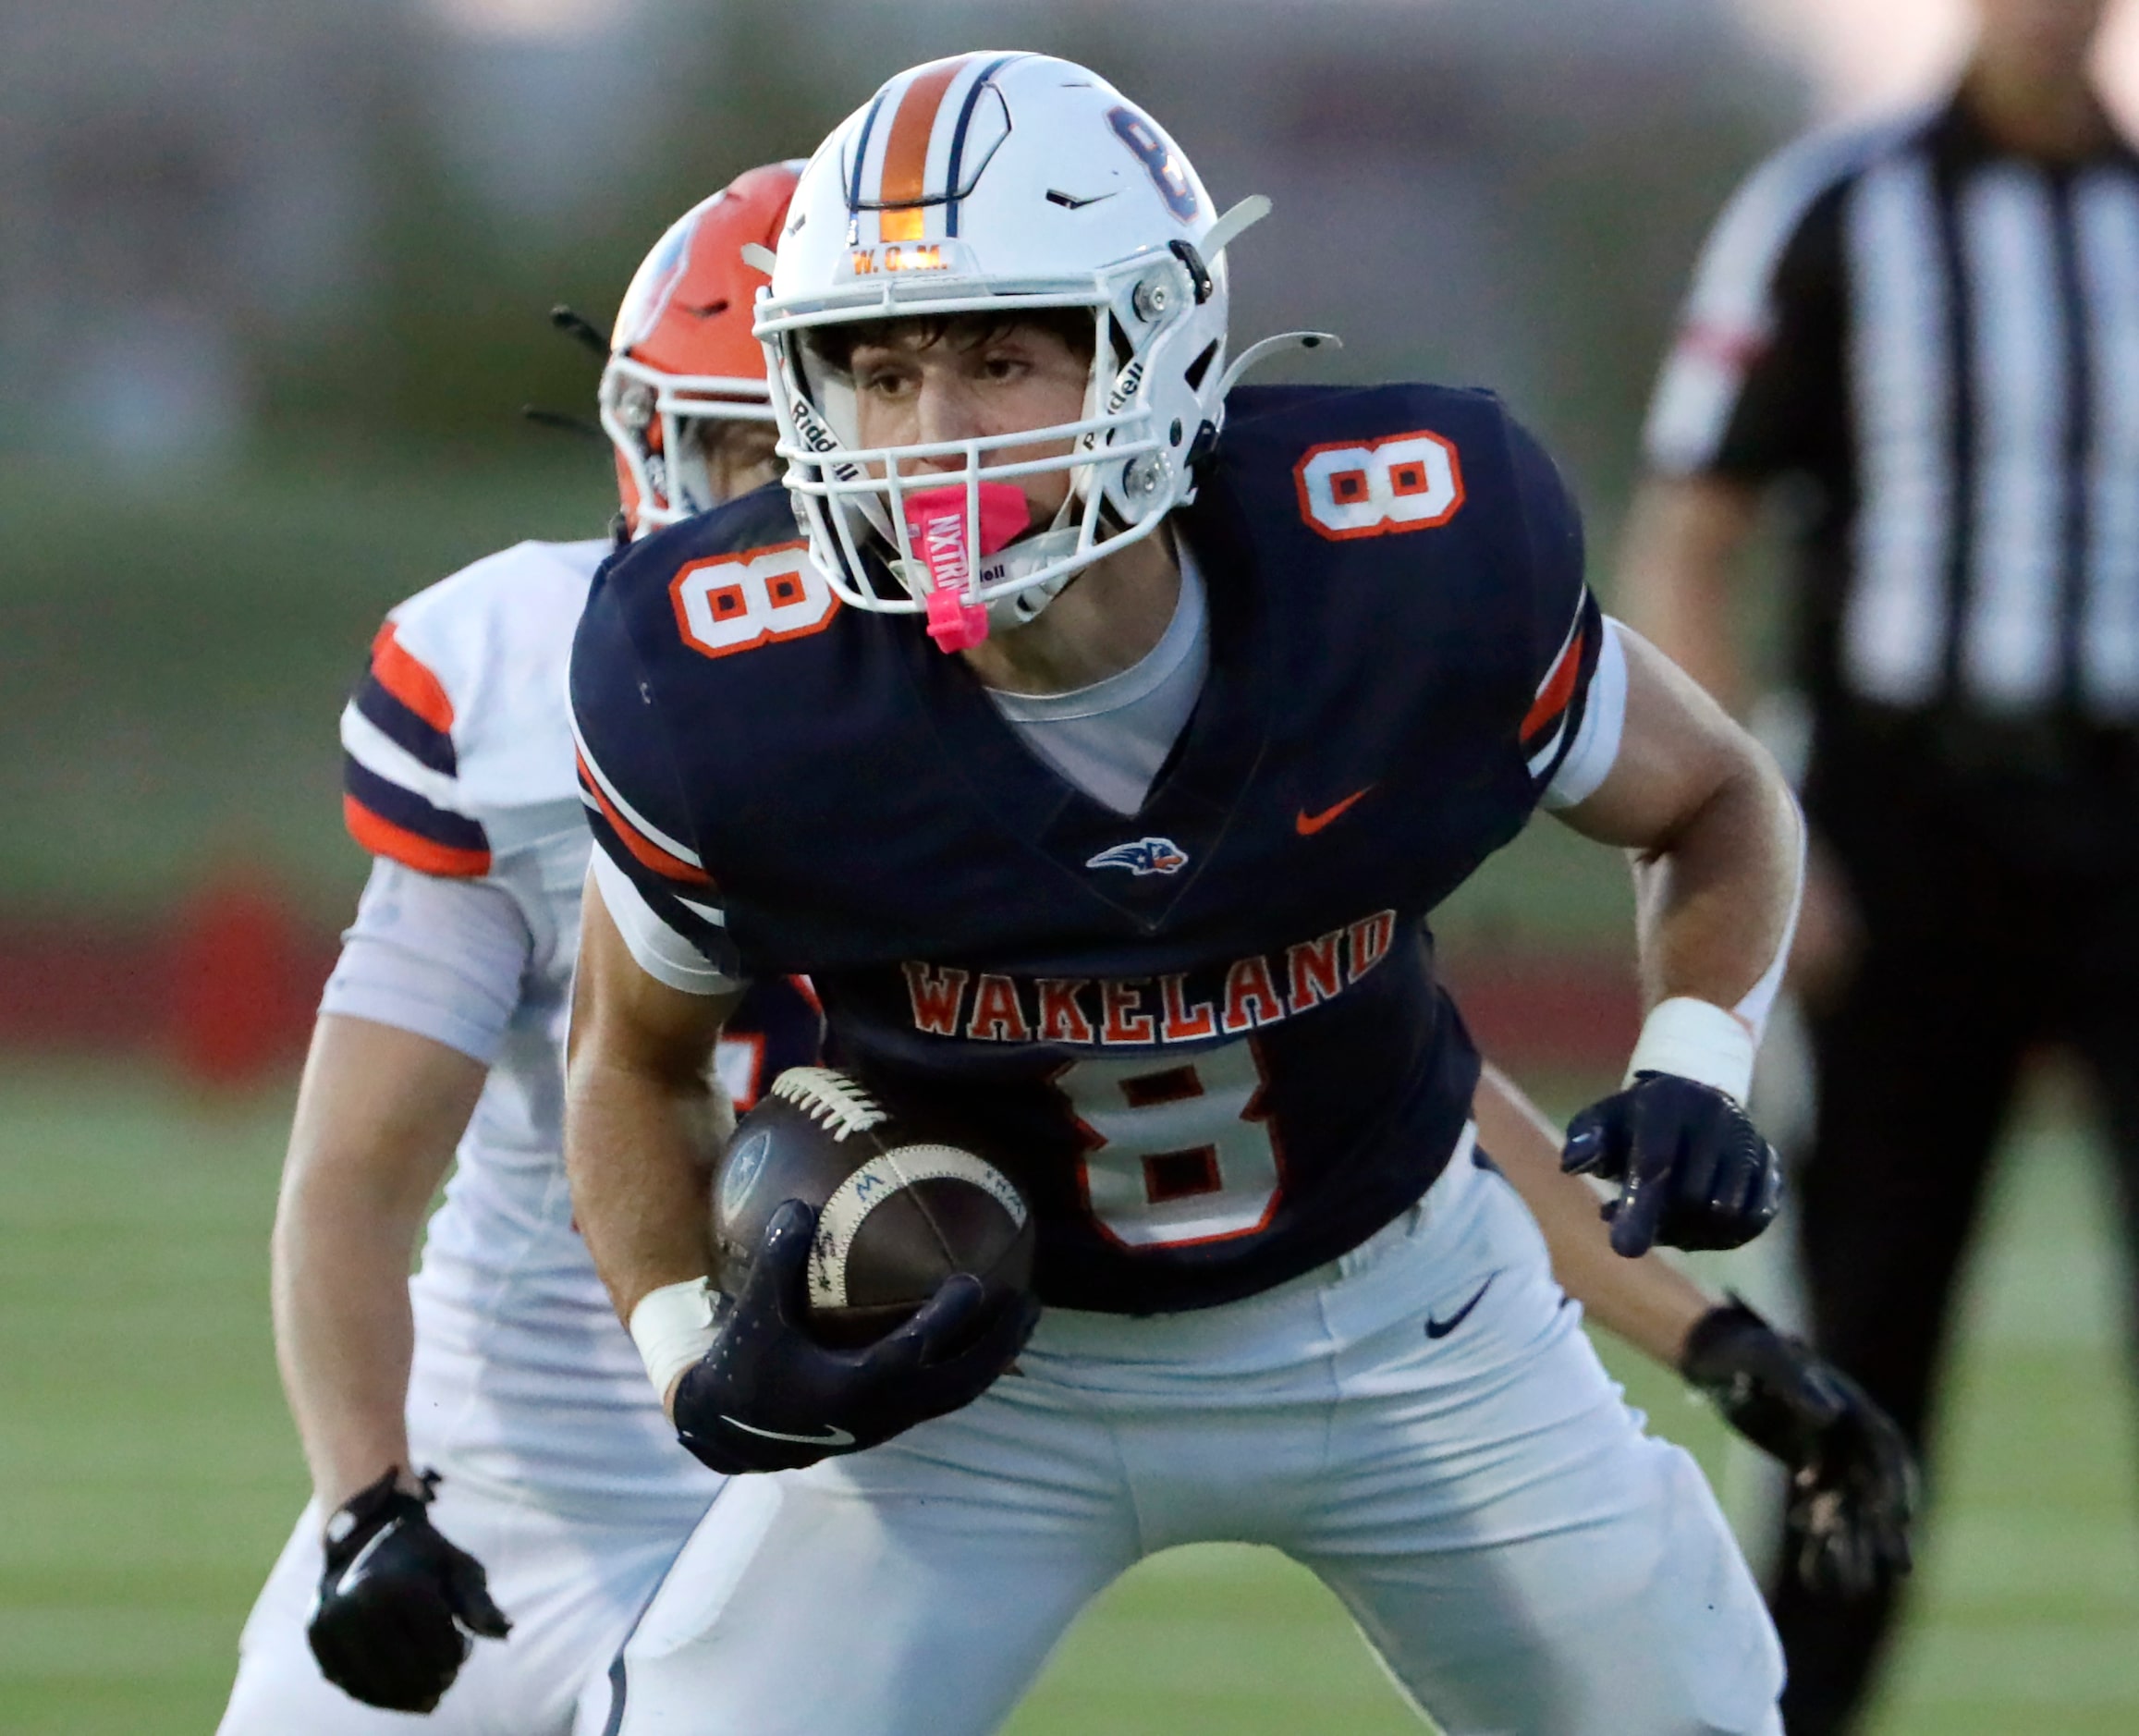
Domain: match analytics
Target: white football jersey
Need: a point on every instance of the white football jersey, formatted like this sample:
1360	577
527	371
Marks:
458	764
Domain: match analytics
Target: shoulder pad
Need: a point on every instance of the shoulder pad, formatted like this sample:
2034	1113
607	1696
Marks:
1356	462
455	743
1314	413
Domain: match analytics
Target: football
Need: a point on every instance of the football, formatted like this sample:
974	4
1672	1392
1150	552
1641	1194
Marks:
897	1212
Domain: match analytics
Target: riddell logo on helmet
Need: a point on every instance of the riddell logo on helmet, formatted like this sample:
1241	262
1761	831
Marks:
1125	388
869	261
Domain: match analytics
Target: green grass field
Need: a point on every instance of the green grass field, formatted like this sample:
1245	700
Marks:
147	1475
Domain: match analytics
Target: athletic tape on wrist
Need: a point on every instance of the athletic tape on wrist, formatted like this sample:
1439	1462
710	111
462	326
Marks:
1696	1040
673	1327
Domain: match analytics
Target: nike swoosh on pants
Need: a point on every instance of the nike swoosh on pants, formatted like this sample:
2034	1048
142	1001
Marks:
1441	1329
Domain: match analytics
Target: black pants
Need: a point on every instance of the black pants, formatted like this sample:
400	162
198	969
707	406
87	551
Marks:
1975	954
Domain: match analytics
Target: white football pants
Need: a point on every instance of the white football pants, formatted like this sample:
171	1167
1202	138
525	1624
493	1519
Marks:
1524	1558
571	1587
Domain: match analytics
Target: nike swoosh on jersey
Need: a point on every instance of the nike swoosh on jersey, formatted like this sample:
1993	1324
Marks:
830	1437
1441	1329
1307	823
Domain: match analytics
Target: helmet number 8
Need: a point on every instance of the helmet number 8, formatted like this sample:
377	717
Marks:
1176	1153
1157	157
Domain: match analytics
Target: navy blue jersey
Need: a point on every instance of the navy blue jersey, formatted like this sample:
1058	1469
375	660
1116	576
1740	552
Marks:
1208	1037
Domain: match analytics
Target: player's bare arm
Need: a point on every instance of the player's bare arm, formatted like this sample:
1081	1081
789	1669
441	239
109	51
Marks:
1717	848
1678	565
1714	831
643	1119
378	1114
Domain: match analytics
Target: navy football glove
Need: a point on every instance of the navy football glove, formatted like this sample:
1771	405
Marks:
1693	1170
768	1397
1853	1485
396	1602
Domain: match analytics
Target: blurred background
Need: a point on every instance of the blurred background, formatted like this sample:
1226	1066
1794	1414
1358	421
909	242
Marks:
273	280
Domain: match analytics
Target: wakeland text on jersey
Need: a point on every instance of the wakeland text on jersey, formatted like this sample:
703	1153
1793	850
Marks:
1180	1007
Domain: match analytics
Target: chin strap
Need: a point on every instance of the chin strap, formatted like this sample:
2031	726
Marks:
1008	614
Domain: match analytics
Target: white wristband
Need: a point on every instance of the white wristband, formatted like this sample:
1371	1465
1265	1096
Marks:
673	1327
1696	1040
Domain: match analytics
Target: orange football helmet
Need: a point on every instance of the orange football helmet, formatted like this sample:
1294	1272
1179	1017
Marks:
682	355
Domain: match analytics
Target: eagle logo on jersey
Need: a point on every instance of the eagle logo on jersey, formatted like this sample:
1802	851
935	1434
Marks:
1145	855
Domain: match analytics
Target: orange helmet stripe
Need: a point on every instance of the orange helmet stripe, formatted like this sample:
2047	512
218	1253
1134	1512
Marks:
904	183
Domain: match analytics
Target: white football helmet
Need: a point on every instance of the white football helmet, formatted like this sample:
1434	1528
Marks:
988	184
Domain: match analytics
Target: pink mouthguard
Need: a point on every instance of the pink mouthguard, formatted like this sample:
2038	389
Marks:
935	525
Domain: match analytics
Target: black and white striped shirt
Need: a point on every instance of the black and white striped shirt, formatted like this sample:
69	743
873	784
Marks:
1945	337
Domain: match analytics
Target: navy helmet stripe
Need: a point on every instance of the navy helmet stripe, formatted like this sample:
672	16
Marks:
958	139
861	155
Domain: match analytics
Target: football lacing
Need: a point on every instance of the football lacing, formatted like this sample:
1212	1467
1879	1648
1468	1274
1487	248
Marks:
832	1097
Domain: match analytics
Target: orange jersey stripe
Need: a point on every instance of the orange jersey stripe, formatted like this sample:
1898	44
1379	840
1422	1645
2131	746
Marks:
383	837
662	862
905	179
1553	696
409	681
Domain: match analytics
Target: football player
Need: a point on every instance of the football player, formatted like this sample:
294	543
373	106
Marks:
1128	889
485	1457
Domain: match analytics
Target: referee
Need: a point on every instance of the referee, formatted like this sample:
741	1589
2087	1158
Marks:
1931	329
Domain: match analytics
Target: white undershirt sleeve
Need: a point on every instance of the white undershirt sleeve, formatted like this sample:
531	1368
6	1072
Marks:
1604	719
665	955
442	959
